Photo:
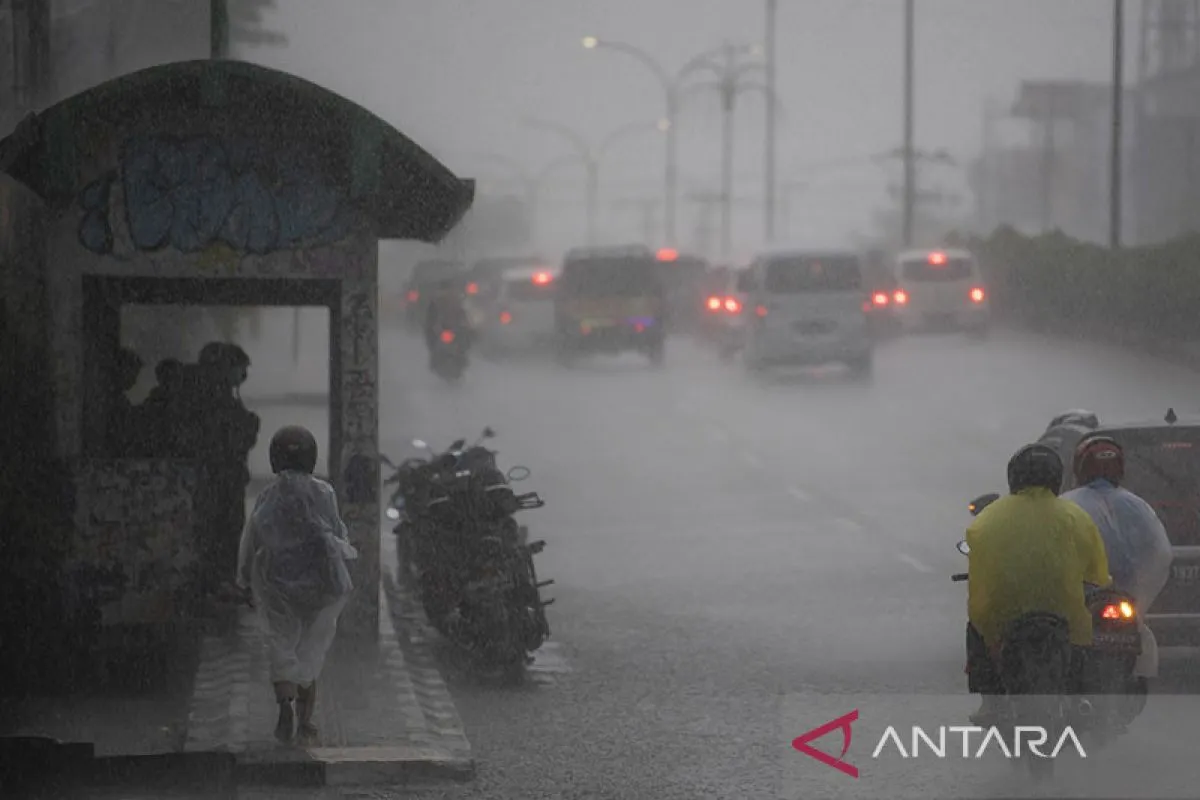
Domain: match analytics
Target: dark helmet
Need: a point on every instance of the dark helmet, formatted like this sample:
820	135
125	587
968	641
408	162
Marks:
1099	457
293	448
1035	465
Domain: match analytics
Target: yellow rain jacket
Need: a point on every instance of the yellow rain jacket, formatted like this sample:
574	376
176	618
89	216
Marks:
1033	552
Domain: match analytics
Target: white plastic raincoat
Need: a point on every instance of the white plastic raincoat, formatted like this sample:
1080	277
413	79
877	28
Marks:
293	555
1139	552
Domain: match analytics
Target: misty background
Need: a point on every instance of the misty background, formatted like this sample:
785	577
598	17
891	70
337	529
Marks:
459	76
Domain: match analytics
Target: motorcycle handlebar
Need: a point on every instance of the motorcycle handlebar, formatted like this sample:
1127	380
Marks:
958	577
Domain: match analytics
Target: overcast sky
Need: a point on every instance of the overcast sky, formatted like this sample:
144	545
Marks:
458	75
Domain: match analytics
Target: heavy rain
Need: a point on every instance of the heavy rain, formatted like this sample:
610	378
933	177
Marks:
523	400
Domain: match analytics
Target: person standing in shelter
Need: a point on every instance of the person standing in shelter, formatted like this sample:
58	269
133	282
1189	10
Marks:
230	432
293	559
124	437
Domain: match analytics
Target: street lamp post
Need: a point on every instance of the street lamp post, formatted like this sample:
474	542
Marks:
769	158
672	89
910	189
591	158
730	82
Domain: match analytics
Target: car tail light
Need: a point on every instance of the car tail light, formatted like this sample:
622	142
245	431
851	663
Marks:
937	259
714	304
447	336
1121	610
732	305
639	328
505	317
542	278
472	288
879	299
760	310
413	296
977	295
901	297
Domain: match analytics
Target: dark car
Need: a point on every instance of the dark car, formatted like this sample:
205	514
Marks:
610	300
1162	466
416	289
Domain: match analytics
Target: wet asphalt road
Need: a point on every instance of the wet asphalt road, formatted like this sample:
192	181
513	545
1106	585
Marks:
732	553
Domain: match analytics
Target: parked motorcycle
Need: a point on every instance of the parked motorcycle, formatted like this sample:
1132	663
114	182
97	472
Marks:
471	562
1102	697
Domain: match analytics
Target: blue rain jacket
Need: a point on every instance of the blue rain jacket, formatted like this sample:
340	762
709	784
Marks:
1139	552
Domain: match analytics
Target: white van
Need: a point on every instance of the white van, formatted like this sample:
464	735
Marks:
940	289
521	314
807	307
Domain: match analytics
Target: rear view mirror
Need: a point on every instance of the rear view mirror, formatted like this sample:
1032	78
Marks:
518	473
488	433
977	505
963	547
459	444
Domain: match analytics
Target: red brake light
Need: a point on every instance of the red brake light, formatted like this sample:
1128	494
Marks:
542	278
1122	610
714	304
977	295
639	328
937	259
447	336
760	310
505	317
732	305
413	296
901	297
667	254
472	288
879	299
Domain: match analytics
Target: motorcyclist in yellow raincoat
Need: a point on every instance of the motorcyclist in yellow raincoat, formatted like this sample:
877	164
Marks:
1029	552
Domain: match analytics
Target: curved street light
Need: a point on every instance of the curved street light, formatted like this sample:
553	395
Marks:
591	156
672	85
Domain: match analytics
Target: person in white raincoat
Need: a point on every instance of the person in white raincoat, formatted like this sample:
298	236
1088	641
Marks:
1139	552
293	557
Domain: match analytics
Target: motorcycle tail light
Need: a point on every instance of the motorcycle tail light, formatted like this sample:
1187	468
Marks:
414	296
714	304
505	317
732	305
1118	611
901	297
447	336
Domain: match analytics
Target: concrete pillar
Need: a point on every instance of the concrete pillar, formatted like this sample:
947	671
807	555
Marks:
354	456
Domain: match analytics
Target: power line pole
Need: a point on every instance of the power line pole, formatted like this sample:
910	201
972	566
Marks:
909	161
769	166
1118	90
218	29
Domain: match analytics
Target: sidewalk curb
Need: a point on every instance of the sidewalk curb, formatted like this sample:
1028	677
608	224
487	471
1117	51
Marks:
438	751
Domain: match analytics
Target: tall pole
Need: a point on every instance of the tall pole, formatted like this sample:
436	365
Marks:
1118	86
672	176
218	11
728	99
769	165
593	190
910	177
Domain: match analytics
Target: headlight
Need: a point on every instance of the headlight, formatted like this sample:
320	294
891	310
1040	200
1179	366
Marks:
393	514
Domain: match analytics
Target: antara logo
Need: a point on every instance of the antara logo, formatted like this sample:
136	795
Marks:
1031	739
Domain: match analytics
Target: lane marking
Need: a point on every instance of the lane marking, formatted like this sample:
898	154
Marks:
919	566
752	460
799	495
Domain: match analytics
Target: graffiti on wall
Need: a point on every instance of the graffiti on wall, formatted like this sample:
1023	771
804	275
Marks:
134	538
193	193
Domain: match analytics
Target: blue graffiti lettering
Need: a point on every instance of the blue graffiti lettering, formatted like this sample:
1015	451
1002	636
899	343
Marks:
189	194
